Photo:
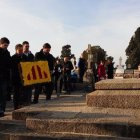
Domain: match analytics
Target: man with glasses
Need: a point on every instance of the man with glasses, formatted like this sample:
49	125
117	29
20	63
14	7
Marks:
5	65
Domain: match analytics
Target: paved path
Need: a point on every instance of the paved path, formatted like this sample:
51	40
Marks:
72	111
75	105
42	101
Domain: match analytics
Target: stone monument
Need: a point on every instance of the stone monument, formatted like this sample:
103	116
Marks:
120	70
89	74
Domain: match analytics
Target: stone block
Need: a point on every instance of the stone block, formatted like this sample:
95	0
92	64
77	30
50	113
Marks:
119	84
114	99
86	127
23	114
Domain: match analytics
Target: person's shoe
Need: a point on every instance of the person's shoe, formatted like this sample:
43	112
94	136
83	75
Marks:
48	98
34	102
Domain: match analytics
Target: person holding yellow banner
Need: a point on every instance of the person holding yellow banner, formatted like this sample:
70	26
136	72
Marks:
16	76
44	55
27	94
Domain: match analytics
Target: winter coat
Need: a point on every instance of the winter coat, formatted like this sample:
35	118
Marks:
101	72
110	70
41	56
30	57
67	67
16	71
5	64
82	64
58	70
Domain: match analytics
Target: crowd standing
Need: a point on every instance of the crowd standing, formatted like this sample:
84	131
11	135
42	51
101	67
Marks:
64	74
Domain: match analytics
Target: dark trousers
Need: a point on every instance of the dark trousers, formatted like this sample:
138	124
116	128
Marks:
48	89
18	96
81	74
3	94
27	94
58	80
67	82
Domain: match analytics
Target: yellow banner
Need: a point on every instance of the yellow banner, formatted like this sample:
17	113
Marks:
35	72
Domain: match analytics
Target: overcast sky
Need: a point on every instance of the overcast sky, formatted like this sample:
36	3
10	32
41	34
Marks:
107	23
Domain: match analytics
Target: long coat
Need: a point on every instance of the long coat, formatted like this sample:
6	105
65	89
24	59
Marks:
16	75
46	57
5	64
101	72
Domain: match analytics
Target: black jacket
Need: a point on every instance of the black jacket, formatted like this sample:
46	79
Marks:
16	74
30	57
58	69
5	64
82	64
68	67
40	56
110	69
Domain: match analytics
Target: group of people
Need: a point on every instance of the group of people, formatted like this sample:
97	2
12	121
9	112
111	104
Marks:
10	74
62	73
103	70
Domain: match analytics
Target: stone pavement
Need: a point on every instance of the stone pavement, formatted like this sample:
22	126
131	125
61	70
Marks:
68	117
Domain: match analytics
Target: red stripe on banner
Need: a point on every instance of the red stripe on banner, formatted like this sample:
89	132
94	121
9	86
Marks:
33	73
28	77
45	74
39	72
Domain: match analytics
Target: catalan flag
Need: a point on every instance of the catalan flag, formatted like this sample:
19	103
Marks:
35	72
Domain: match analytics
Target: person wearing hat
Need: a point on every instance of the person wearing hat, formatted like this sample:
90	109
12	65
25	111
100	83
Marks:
44	55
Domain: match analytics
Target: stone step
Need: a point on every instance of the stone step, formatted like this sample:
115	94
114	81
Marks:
119	84
26	135
5	124
10	126
114	99
71	115
16	130
84	126
23	114
67	137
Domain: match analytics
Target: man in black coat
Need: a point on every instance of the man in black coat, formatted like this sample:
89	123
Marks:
5	65
27	93
18	57
44	55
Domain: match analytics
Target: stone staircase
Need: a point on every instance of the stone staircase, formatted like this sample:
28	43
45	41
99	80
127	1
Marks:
22	132
71	118
117	93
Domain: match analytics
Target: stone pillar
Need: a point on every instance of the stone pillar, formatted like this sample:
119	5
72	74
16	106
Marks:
90	56
89	73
